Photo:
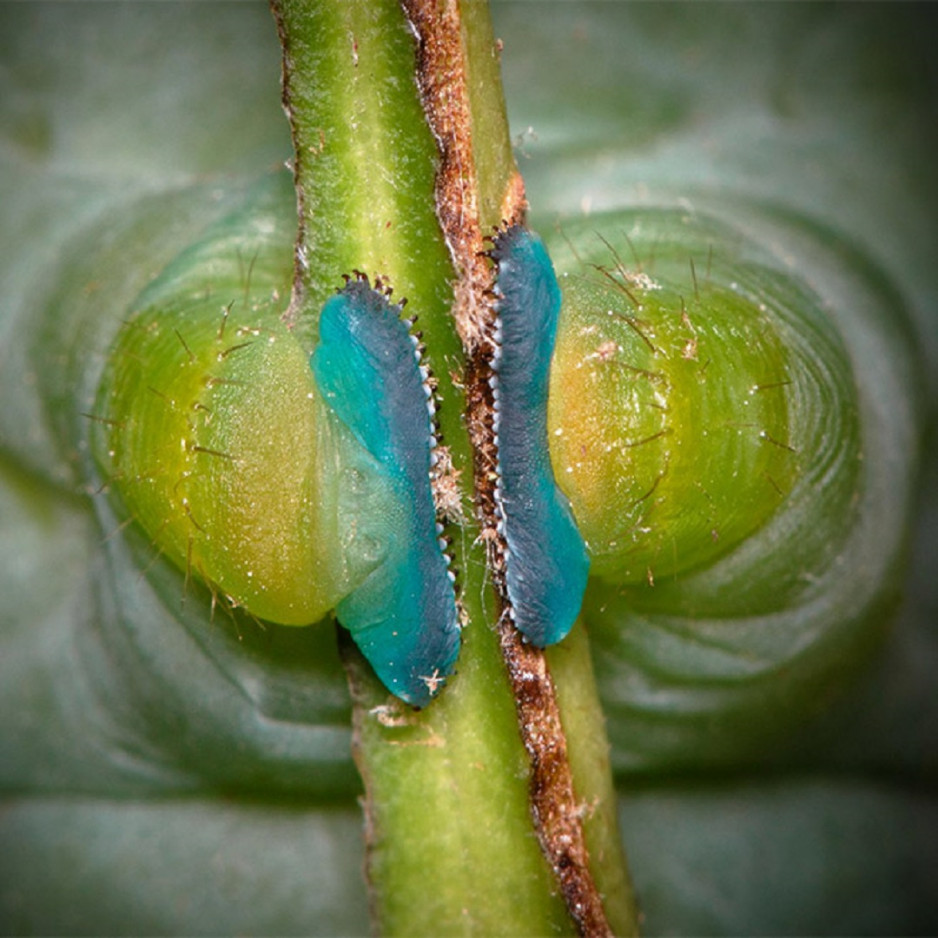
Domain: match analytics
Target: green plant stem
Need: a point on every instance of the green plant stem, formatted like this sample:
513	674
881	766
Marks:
451	842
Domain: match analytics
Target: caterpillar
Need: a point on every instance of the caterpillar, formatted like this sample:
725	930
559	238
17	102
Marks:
368	367
546	563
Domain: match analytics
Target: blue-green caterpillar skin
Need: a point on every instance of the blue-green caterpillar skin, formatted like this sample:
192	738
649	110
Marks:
404	616
546	563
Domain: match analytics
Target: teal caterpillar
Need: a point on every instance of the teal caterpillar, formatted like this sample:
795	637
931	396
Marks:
546	563
368	367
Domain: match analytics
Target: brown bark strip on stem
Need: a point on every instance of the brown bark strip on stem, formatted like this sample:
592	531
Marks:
557	816
441	76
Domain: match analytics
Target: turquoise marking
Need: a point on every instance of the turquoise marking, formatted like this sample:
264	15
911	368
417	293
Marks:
403	616
546	563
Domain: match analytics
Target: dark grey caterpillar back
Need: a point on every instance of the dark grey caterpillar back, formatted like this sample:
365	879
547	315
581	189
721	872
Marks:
546	563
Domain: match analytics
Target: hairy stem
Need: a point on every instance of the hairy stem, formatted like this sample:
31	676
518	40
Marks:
447	72
403	164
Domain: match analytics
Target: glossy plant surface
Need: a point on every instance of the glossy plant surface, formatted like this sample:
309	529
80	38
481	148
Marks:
758	792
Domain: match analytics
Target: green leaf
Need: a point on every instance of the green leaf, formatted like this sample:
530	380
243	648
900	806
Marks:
121	128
